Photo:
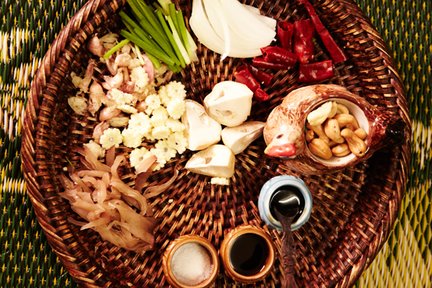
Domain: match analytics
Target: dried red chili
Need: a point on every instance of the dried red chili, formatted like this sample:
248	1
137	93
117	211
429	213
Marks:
261	95
263	77
260	62
285	32
314	72
245	76
336	53
303	40
279	55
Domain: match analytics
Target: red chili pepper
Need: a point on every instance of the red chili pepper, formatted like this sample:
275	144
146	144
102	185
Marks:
245	76
279	55
260	62
242	67
261	95
263	77
315	72
336	53
285	32
303	40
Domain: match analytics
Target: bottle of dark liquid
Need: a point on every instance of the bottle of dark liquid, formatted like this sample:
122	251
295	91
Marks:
288	201
285	203
285	192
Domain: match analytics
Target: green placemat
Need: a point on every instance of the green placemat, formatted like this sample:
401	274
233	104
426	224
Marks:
27	28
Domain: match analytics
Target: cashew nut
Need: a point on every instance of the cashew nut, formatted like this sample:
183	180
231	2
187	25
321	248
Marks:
324	134
361	133
319	115
310	135
319	131
347	120
342	109
340	150
332	130
333	110
355	144
320	148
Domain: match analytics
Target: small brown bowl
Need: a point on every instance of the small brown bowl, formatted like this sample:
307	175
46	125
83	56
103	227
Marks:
173	248
228	244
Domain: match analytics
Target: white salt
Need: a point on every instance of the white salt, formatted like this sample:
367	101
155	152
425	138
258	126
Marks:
191	264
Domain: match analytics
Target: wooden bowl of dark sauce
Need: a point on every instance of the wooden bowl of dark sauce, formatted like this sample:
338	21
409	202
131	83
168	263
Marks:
247	254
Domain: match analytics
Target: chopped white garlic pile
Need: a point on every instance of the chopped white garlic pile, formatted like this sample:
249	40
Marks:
134	109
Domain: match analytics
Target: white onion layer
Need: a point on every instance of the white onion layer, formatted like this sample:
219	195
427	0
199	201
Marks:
230	28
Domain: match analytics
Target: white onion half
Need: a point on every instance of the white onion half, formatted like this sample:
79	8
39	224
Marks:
270	22
230	28
213	10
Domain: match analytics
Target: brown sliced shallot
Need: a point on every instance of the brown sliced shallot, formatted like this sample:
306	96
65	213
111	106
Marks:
110	156
99	196
154	191
98	130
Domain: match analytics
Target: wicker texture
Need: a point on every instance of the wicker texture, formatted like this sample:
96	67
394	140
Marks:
367	234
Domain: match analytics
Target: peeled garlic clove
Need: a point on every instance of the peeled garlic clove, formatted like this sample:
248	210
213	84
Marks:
215	161
229	103
201	130
238	138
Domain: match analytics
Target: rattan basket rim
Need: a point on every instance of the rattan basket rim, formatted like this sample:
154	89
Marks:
40	91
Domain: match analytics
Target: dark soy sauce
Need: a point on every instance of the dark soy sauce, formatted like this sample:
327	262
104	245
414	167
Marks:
286	205
249	254
288	201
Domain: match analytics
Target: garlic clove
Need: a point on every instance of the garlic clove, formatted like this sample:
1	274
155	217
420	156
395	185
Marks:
201	130
229	103
240	137
215	161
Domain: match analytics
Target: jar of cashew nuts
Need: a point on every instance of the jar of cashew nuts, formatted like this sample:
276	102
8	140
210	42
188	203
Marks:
337	129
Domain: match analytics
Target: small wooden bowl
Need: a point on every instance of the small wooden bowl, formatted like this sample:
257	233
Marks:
173	247
225	251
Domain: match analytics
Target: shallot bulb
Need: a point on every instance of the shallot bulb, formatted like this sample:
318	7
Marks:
95	46
108	113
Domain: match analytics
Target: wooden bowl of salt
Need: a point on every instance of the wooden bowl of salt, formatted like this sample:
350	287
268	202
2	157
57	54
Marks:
191	261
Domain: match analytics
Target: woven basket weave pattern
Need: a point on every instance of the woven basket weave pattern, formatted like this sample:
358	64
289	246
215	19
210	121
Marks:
354	209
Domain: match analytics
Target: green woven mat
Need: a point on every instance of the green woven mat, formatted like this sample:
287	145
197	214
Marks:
27	28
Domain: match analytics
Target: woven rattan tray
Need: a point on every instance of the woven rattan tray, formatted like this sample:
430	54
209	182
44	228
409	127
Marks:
354	209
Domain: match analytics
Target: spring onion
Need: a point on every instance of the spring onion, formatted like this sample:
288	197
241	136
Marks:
143	45
170	37
114	49
177	40
161	32
164	4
